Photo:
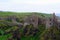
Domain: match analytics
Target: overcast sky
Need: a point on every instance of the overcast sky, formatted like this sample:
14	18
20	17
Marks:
45	6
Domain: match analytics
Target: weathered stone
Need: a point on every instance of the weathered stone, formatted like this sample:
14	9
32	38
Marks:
33	19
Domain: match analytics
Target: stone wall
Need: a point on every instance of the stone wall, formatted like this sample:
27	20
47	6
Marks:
35	20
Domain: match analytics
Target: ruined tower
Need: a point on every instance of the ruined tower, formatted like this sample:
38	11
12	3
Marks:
35	20
51	21
47	23
32	19
54	20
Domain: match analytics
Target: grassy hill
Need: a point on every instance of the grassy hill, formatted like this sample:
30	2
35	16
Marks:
32	33
23	14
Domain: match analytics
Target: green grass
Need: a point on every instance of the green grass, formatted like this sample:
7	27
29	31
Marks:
5	37
23	14
30	37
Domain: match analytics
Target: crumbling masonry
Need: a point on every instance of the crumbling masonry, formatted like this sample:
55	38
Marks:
35	21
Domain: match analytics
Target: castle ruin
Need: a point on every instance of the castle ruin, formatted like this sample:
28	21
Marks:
35	21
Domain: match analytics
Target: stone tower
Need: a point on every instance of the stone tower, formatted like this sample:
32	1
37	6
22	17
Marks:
54	20
32	19
35	20
49	22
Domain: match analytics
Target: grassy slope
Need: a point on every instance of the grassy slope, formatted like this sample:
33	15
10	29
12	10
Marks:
23	14
4	37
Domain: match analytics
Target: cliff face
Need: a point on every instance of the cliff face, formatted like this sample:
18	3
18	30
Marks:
30	27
